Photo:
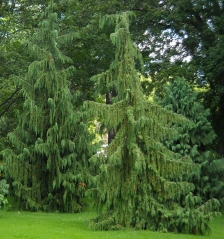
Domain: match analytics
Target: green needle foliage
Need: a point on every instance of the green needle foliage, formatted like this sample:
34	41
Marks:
180	98
46	163
139	185
196	139
4	187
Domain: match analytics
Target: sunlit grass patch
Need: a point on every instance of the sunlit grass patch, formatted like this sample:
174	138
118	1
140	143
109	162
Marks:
27	225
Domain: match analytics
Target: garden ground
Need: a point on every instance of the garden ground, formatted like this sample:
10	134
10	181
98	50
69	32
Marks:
27	225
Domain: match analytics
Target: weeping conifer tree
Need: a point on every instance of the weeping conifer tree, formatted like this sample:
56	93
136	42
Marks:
195	139
139	185
47	162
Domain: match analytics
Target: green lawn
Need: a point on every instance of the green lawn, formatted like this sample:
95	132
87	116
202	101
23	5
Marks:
39	225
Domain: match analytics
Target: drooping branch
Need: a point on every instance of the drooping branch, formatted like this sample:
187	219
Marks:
9	105
10	97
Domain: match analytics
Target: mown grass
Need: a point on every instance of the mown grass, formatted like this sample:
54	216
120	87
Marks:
27	225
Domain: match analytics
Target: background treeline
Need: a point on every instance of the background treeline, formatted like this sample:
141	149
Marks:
158	66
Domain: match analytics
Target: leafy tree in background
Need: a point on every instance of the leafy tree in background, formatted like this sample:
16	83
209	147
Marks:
47	158
196	139
139	185
92	52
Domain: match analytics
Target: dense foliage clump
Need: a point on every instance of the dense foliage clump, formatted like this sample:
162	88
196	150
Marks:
196	139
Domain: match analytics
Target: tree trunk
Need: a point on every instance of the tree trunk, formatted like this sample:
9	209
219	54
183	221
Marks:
109	95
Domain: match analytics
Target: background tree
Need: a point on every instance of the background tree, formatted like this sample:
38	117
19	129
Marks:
195	140
46	161
138	185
